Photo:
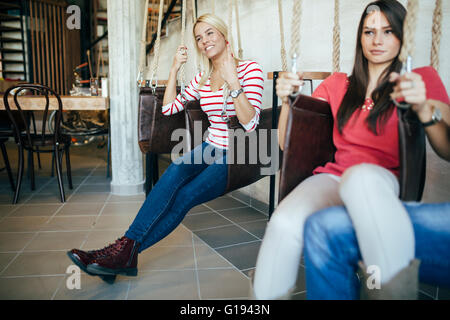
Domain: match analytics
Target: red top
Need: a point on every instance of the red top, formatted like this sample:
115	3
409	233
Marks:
357	144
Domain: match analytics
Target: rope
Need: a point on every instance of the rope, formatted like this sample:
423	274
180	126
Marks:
143	45
436	34
238	29
336	38
230	21
295	32
409	28
157	42
182	73
194	12
283	45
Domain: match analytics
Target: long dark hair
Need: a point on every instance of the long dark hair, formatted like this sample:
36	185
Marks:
359	80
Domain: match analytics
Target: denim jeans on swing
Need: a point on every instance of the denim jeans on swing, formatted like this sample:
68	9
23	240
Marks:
197	177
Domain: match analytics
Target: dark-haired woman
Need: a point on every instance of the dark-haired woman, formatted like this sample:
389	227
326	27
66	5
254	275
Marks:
364	175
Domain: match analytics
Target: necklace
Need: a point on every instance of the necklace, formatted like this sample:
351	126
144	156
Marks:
368	104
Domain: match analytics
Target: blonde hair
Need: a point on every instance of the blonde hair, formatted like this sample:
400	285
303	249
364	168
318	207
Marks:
221	26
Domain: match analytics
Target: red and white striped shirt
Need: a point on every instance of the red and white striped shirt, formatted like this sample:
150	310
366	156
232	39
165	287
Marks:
251	79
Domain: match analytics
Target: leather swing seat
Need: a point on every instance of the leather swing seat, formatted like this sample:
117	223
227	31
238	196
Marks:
155	131
242	174
309	144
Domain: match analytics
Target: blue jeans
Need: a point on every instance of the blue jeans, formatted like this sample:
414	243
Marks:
332	253
195	178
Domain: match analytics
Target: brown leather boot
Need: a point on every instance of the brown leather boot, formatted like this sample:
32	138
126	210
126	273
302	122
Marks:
118	258
83	258
403	286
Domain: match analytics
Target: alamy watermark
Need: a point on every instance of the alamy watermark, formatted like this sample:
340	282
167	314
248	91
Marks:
374	280
74	18
244	148
74	279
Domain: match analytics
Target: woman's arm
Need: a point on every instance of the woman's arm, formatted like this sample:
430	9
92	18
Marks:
286	84
171	89
439	133
412	89
245	111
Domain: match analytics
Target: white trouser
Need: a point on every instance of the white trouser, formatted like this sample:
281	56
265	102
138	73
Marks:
383	229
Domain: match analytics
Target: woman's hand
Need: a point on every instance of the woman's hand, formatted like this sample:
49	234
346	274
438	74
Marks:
287	83
227	70
179	58
411	89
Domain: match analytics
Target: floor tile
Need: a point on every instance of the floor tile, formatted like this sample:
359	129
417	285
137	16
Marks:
38	263
22	224
45	198
29	288
6	209
36	210
14	241
243	215
5	259
180	237
204	221
137	198
57	241
224	236
199	209
114	222
224	203
223	284
69	223
256	228
207	258
117	208
167	258
243	256
94	188
76	209
93	288
164	285
89	197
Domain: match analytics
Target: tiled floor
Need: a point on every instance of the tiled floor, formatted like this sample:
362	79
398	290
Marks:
208	256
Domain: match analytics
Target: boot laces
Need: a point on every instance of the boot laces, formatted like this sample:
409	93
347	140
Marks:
112	249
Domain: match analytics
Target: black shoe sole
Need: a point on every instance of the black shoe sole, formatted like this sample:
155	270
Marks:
99	270
107	278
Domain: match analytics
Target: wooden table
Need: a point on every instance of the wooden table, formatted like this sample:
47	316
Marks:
70	103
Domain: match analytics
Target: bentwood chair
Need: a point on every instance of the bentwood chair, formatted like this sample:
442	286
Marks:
41	141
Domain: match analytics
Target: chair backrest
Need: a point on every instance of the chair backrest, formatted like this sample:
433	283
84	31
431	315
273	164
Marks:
412	153
308	142
20	117
154	128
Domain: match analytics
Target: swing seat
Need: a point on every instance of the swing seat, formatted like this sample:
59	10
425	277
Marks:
155	129
241	174
309	144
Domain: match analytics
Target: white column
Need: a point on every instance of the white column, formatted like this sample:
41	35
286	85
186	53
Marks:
124	33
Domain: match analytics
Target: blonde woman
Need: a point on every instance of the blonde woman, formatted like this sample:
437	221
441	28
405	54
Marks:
190	180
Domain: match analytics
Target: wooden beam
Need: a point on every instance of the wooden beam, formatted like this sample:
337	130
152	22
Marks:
69	103
306	75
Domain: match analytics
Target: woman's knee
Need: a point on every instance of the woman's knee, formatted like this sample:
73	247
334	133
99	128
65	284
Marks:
366	177
286	223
